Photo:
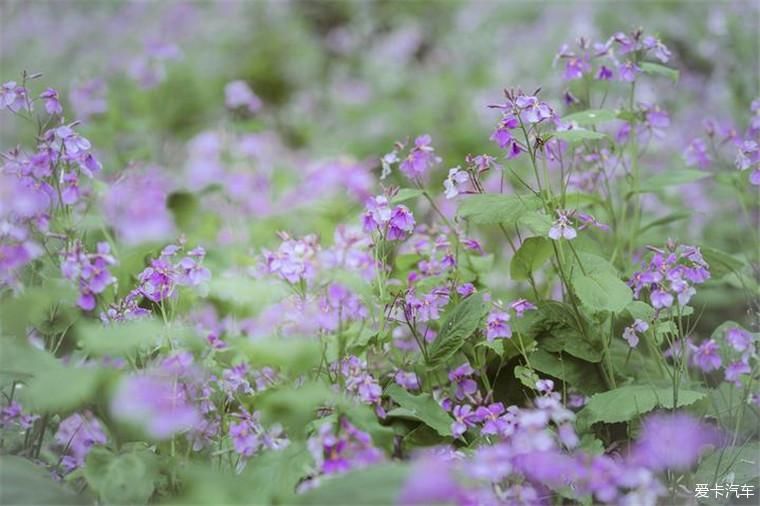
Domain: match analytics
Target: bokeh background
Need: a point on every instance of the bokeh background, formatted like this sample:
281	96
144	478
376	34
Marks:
338	83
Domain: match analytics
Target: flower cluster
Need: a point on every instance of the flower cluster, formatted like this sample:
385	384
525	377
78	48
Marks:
616	58
89	271
391	223
671	274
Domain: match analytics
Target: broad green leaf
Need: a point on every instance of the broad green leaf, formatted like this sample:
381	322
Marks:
671	178
732	464
602	291
271	477
640	310
526	376
492	208
246	292
421	407
659	70
591	117
295	355
531	255
405	194
720	262
625	403
580	374
119	339
22	482
377	485
32	306
294	407
128	478
20	359
456	326
62	389
537	222
577	135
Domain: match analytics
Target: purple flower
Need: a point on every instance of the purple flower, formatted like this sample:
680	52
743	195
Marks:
533	110
707	356
575	68
461	376
89	98
454	181
237	94
400	224
672	441
420	160
562	228
630	333
497	326
464	417
338	451
466	289
136	207
431	481
77	434
407	380
52	102
157	404
736	370
739	339
491	463
294	260
696	154
490	417
627	71
660	299
13	97
521	305
90	271
604	73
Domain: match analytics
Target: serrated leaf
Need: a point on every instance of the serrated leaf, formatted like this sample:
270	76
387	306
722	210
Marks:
602	291
423	407
526	376
591	117
531	255
659	70
456	326
492	208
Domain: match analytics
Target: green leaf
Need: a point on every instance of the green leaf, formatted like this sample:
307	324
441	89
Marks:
377	485
295	355
531	255
579	373
733	464
245	292
405	194
671	178
527	376
720	262
20	359
659	70
602	291
22	482
591	117
625	403
538	222
32	306
294	407
128	478
492	208
62	389
119	339
271	477
456	326
577	135
665	220
420	407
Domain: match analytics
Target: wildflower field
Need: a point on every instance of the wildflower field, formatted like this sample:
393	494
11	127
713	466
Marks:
384	253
